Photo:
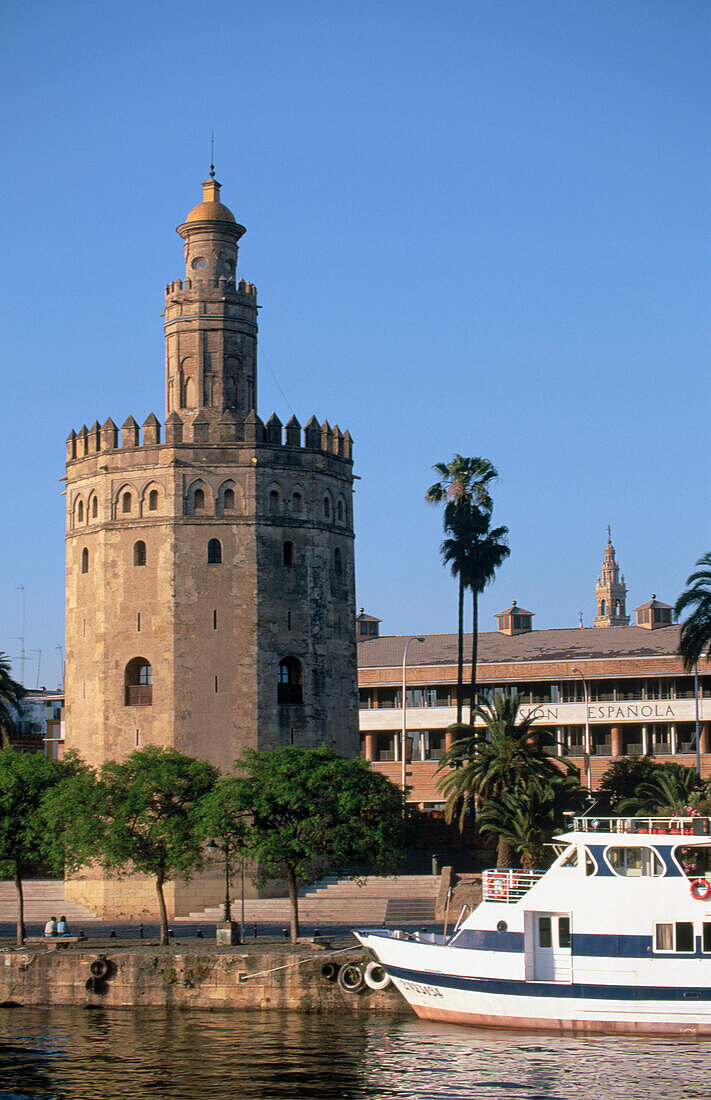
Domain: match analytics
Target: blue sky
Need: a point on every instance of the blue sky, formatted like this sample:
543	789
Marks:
475	226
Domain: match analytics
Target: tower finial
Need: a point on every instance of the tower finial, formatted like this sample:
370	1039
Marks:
212	155
609	533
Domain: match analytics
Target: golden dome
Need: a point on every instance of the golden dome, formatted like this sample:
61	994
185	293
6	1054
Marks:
210	209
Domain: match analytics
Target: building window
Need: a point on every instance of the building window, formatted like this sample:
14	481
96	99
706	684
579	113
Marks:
214	620
289	683
199	500
339	511
603	607
153	500
126	502
288	553
326	507
85	560
139	553
80	512
296	503
94	508
138	683
635	862
214	552
337	563
228	500
273	502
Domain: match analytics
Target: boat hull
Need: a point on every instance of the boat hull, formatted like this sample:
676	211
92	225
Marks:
420	973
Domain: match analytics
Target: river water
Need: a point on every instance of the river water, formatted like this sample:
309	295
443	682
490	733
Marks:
77	1054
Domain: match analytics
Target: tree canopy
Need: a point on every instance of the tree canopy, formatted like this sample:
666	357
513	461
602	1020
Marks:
308	805
11	696
695	634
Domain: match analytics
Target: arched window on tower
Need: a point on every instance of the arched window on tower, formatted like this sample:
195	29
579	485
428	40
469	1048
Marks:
228	500
138	683
153	500
199	500
617	607
296	503
603	607
340	511
94	508
126	502
139	553
337	563
273	502
214	552
288	553
80	512
85	560
289	683
327	507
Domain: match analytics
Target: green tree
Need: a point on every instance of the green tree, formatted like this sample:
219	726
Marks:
144	815
624	777
529	818
474	550
671	789
695	634
505	758
224	822
463	487
11	695
25	779
308	805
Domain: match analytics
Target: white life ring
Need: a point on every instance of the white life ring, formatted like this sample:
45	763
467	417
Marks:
376	977
350	978
497	887
700	889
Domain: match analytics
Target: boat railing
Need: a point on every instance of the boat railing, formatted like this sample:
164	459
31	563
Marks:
695	825
510	885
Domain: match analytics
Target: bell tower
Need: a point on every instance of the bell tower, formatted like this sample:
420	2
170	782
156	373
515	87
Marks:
610	591
211	319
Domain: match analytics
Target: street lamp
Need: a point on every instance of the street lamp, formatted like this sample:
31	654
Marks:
215	849
403	743
587	728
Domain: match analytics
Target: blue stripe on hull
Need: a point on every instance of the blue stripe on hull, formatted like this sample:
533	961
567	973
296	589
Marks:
688	995
583	945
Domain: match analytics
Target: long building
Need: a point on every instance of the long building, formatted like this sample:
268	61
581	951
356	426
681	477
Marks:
625	682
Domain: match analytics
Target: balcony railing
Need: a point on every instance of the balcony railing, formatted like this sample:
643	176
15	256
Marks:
676	826
508	886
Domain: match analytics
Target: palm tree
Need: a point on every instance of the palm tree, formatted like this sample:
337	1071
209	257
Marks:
529	819
503	759
463	488
11	694
475	551
695	636
669	790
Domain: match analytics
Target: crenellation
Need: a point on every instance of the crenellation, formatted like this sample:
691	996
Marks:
151	430
130	433
173	429
337	441
348	445
272	431
109	436
293	432
253	428
228	427
71	445
201	428
312	435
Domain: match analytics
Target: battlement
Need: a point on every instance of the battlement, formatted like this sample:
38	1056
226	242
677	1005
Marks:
244	289
225	429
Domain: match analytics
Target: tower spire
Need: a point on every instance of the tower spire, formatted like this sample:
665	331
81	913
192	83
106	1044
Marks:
212	158
610	591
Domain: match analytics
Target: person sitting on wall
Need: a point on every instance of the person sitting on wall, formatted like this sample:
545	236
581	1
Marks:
50	928
62	929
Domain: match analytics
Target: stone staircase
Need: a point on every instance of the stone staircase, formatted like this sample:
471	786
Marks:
393	898
44	898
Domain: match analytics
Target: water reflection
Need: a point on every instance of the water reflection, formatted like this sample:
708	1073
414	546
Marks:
73	1054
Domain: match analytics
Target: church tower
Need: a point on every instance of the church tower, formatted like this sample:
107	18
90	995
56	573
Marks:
210	594
610	591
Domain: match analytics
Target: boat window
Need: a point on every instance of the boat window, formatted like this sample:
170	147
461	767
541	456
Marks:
674	937
635	862
564	932
590	865
571	860
693	860
706	937
545	937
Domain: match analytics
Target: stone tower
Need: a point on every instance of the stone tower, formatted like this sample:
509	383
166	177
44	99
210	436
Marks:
210	574
610	591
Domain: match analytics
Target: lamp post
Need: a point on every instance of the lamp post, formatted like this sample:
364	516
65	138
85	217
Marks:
403	741
587	728
696	701
223	850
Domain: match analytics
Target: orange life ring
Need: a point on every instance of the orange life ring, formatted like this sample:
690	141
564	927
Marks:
497	887
700	889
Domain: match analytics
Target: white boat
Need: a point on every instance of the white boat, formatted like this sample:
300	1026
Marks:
614	937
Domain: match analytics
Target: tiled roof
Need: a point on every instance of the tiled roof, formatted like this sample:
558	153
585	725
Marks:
654	602
514	610
570	644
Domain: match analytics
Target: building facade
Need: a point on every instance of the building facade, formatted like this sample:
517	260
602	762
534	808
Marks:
625	682
210	592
